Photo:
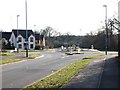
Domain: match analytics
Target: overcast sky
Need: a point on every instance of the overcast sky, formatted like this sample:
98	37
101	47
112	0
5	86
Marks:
75	16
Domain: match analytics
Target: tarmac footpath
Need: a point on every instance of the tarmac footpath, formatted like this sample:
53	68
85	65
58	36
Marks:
102	72
111	74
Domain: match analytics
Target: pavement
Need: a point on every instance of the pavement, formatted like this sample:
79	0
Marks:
111	74
102	72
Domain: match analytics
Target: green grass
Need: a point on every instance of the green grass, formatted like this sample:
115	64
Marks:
5	54
11	60
8	60
93	56
61	77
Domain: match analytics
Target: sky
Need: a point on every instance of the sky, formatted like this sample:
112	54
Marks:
77	17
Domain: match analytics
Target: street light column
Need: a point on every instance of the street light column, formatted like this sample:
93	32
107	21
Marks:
119	29
17	34
26	29
106	29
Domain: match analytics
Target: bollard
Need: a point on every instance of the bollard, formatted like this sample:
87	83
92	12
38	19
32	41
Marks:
71	51
79	50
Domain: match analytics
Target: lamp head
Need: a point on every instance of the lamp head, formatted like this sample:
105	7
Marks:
18	15
104	5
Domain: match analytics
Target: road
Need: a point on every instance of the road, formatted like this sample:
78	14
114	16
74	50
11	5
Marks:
20	74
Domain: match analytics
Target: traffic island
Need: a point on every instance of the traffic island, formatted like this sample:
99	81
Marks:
78	53
69	53
73	53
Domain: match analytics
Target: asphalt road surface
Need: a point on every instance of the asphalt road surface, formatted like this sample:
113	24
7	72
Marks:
18	75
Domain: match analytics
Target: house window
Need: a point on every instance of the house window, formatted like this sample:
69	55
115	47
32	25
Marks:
20	45
19	39
31	45
31	39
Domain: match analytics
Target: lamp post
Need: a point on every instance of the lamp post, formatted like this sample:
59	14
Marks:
119	29
26	29
106	39
17	34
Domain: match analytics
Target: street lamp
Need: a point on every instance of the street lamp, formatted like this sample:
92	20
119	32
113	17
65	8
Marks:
106	39
17	34
26	29
119	30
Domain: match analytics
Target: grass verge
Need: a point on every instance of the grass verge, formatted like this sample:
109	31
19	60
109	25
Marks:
93	56
59	78
5	54
11	60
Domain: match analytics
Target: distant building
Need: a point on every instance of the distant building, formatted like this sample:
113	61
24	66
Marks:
6	35
17	38
39	40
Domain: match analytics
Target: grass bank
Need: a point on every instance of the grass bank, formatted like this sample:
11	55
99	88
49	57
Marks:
60	77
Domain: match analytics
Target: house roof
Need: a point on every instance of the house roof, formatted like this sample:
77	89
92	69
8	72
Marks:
38	37
6	35
22	32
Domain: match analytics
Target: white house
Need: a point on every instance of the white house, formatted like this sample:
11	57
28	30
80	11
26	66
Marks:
18	39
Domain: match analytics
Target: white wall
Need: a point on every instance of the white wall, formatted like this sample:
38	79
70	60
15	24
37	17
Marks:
12	39
20	42
31	42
